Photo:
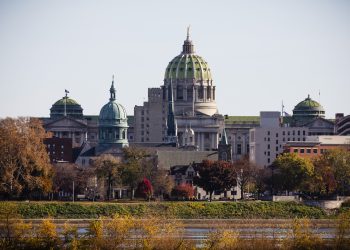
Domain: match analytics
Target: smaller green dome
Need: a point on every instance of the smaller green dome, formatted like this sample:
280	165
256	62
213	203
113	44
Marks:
308	104
113	111
68	100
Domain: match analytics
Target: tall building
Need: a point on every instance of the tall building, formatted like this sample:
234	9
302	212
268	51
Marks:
188	80
267	141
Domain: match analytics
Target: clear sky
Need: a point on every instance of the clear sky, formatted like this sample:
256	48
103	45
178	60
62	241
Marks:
260	52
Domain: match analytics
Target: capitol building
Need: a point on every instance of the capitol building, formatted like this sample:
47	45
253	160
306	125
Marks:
182	110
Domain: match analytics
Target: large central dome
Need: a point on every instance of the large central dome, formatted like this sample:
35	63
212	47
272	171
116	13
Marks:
188	66
190	77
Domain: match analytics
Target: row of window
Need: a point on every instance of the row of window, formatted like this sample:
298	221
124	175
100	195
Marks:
294	132
308	150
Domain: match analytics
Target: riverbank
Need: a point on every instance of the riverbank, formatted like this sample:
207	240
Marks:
175	210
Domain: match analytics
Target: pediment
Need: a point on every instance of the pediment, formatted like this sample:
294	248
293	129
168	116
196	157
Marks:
66	122
320	123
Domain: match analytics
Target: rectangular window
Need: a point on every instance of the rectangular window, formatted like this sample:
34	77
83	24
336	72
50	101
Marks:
308	150
314	150
276	141
239	149
295	150
276	134
302	151
268	146
298	132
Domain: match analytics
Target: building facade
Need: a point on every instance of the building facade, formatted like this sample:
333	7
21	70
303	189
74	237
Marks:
267	141
189	79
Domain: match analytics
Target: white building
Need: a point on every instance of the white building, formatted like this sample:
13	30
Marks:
267	141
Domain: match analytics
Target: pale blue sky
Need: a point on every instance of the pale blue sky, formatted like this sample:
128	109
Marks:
260	52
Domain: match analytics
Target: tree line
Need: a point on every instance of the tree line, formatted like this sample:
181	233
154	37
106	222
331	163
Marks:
26	171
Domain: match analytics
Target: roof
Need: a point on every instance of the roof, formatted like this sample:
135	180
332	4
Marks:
68	100
308	104
242	119
188	66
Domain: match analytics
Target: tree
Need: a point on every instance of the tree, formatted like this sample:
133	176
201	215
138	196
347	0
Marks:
25	167
245	172
215	176
290	172
145	189
107	168
332	171
66	173
162	183
183	191
138	164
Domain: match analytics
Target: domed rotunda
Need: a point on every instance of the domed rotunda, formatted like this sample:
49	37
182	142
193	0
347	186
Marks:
113	124
191	79
307	110
66	107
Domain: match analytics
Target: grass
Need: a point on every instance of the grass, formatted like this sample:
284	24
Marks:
176	210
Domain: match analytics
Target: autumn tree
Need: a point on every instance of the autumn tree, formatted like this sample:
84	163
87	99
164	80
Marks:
332	172
107	169
245	173
215	176
145	189
183	191
25	167
163	183
66	173
290	172
139	164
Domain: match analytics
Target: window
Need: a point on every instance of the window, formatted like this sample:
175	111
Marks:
314	150
268	160
303	132
200	92
288	132
308	150
268	138
298	132
302	151
276	134
268	153
268	146
295	150
276	141
239	149
276	148
284	133
268	132
293	132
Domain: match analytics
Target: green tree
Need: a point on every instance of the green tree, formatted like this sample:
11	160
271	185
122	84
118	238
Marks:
25	166
291	172
215	176
107	168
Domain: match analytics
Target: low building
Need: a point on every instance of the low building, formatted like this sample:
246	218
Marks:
315	146
59	149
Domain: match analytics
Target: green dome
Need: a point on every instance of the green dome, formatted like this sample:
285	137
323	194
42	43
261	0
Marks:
66	107
308	104
188	66
69	101
112	111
